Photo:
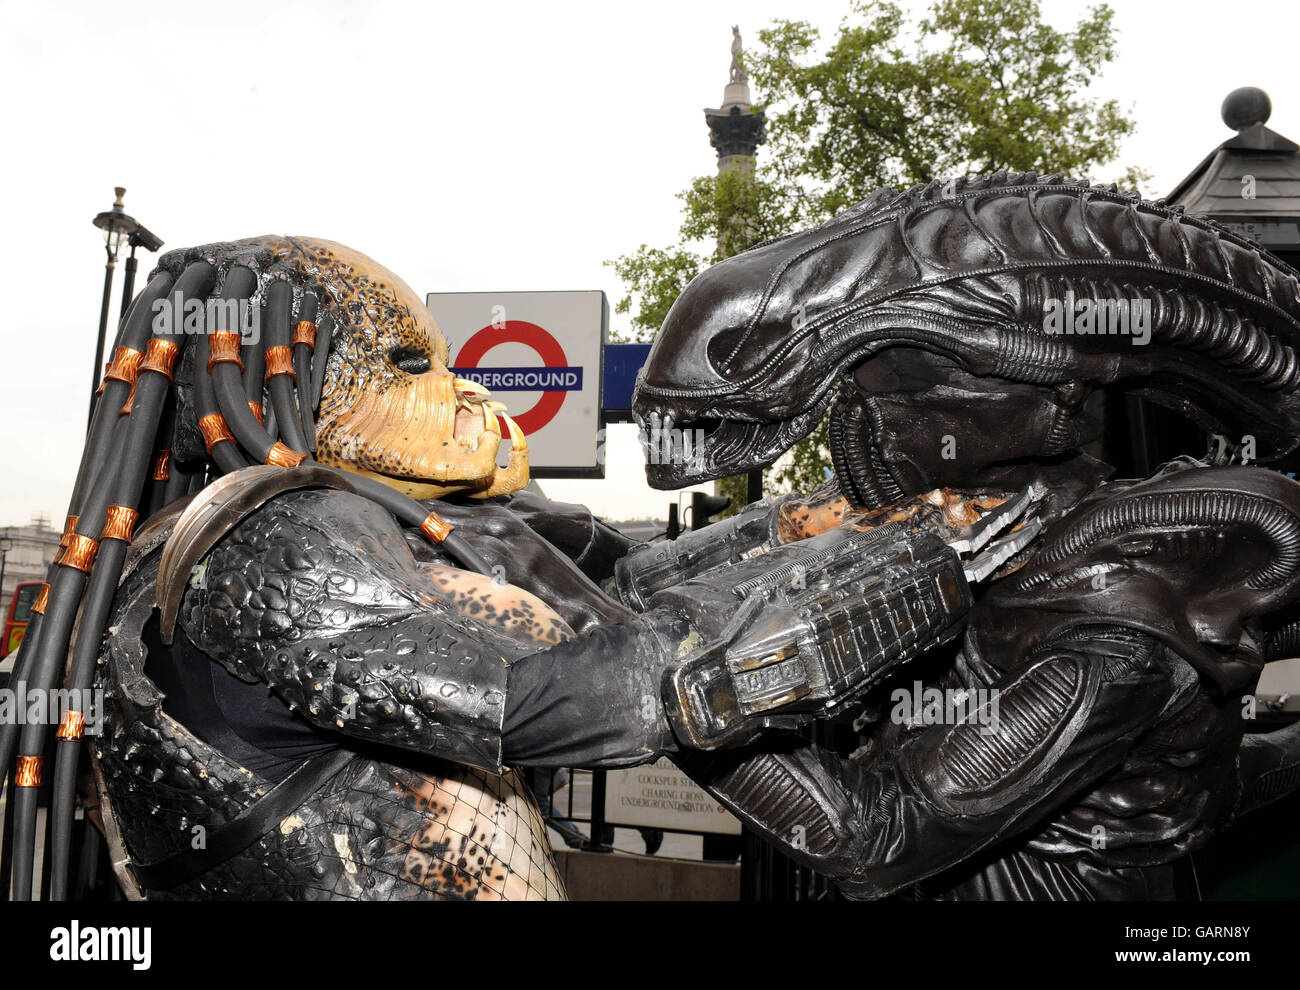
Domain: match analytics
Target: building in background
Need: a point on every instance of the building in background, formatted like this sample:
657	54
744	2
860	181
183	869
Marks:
27	552
1251	182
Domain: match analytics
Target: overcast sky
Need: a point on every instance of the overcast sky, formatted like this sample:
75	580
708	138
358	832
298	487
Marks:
466	146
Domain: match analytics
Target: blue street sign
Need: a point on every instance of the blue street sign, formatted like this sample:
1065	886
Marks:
622	363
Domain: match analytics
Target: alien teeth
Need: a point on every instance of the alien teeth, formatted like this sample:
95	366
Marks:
469	387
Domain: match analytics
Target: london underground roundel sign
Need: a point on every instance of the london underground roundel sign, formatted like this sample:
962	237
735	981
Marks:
542	354
554	379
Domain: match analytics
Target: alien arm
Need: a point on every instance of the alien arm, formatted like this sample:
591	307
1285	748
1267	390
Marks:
650	568
760	527
564	549
1063	720
1268	765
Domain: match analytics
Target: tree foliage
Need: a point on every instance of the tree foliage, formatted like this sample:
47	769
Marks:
972	86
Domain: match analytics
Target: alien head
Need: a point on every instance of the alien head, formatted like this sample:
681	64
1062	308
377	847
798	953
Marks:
967	333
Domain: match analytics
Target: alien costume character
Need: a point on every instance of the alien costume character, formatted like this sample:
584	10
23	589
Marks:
1114	647
341	624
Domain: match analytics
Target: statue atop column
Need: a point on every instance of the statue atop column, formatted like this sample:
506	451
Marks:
738	73
736	129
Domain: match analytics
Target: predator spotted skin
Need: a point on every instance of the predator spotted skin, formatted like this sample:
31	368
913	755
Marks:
1119	643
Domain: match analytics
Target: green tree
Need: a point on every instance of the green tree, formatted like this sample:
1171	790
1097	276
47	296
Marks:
972	86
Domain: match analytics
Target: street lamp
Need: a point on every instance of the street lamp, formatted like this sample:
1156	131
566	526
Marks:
119	228
147	239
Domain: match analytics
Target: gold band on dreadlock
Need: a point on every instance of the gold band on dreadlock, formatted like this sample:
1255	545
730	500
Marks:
69	525
435	527
224	345
72	727
304	332
214	429
279	361
28	771
119	523
80	553
282	456
125	365
160	356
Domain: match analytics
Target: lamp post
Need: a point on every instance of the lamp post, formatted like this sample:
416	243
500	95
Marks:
118	227
147	239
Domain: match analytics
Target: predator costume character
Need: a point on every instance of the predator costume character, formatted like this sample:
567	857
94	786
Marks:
1122	634
341	624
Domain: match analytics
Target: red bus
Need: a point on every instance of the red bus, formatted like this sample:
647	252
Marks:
19	614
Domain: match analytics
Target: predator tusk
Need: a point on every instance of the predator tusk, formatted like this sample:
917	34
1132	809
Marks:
517	438
514	475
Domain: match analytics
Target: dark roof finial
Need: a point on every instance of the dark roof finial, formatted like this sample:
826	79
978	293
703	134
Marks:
1246	106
